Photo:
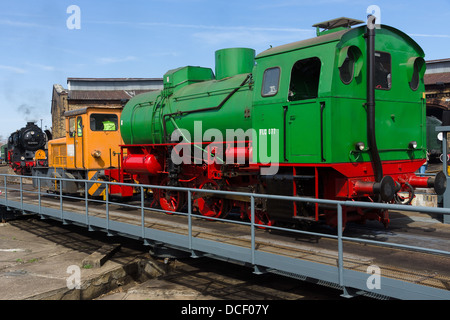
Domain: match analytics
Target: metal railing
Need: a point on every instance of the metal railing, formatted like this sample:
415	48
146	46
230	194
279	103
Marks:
66	216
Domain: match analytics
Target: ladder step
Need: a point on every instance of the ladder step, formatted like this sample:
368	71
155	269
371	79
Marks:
304	177
304	218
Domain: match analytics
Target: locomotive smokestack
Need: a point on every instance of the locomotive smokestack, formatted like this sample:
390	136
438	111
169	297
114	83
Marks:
375	156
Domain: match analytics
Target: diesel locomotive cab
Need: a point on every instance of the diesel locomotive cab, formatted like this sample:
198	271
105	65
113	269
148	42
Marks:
89	151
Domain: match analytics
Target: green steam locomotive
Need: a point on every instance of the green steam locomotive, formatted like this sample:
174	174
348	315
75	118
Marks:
339	116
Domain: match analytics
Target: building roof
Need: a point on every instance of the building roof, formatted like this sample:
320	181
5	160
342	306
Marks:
438	60
113	79
108	89
440	66
114	84
104	94
435	78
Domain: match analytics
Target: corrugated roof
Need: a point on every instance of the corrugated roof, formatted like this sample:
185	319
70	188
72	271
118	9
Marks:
438	60
112	79
104	94
434	78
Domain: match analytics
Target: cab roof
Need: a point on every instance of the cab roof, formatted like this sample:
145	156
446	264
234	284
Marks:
335	36
84	110
331	37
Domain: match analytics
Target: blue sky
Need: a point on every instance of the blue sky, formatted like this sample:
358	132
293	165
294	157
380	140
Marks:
137	38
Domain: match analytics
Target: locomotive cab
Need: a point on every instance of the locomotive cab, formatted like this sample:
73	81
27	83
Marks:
90	151
92	138
312	95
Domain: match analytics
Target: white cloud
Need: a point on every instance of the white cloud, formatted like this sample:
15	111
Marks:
431	35
13	69
23	24
232	35
201	26
11	23
225	28
42	66
250	38
108	60
232	38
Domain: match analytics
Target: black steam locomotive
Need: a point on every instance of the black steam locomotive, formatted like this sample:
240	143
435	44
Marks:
23	146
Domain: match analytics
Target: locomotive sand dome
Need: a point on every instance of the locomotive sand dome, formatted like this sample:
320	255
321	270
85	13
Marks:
342	114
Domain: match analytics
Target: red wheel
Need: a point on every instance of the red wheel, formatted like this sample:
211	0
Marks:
209	205
261	217
170	200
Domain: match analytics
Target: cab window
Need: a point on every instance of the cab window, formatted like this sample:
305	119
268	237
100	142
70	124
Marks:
414	84
418	71
79	127
383	77
271	80
347	69
305	77
103	122
71	127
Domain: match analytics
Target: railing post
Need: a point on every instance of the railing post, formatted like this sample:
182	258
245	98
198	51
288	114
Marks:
6	191
190	219
256	269
61	202
252	208
86	194
345	293
146	243
194	254
21	194
39	196
109	234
